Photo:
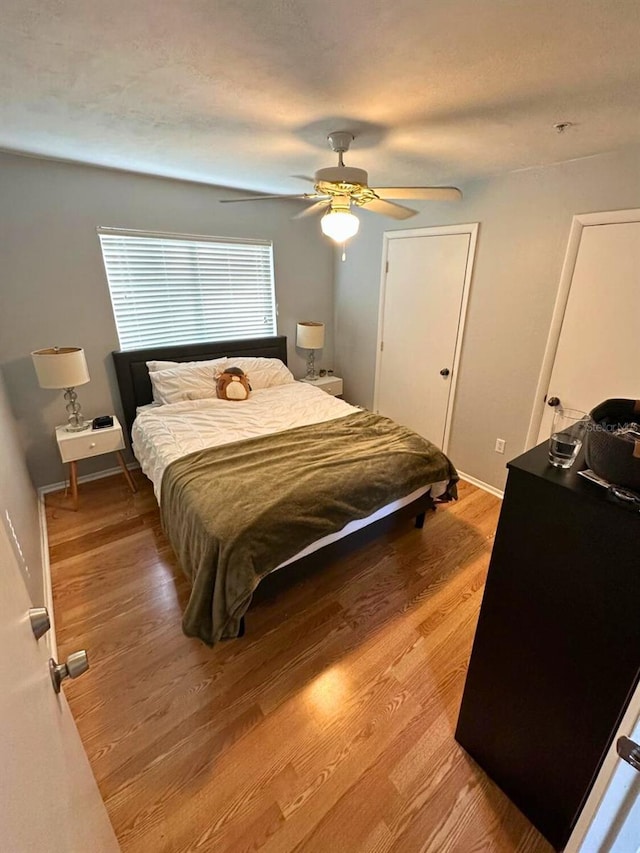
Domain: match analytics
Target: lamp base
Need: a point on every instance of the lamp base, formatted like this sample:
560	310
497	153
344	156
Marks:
76	421
311	368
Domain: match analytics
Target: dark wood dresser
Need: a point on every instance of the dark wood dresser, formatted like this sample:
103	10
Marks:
556	654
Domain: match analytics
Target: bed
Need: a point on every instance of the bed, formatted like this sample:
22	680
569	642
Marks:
246	489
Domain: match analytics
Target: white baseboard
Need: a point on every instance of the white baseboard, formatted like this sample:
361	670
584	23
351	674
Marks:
481	485
50	636
86	478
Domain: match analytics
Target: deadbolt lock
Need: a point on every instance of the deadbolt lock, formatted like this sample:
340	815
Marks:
40	621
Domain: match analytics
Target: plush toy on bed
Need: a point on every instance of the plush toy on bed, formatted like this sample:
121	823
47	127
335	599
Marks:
232	384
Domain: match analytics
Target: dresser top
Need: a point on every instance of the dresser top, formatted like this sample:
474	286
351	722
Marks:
536	462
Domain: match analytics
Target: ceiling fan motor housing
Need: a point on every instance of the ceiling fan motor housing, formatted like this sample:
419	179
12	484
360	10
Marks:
342	175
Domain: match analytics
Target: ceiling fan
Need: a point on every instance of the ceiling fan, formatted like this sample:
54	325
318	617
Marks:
339	188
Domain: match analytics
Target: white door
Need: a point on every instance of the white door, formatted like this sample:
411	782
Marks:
422	309
49	799
610	820
598	351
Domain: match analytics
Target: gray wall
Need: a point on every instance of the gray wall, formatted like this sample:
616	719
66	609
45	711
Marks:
53	289
19	504
524	226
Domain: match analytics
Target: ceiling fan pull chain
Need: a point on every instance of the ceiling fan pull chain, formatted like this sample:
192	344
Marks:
344	252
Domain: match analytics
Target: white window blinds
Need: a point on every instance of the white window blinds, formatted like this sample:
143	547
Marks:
173	289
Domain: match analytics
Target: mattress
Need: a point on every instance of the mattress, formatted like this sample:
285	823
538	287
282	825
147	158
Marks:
162	434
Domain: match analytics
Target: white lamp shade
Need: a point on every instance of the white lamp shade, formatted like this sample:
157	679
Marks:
340	225
310	335
60	367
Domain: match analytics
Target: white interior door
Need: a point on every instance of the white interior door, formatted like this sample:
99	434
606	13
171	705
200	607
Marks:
49	799
422	313
610	820
598	352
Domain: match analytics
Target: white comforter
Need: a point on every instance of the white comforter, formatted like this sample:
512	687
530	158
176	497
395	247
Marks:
163	434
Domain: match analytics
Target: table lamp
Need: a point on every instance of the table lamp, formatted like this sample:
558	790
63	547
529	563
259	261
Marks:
64	367
310	335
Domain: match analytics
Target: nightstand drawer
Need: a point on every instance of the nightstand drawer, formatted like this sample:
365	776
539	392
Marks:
92	442
332	386
329	384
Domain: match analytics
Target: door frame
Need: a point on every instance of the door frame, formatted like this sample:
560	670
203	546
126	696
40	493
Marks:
578	223
470	228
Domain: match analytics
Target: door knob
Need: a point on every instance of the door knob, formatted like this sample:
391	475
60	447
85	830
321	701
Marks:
629	751
75	665
40	622
553	402
445	371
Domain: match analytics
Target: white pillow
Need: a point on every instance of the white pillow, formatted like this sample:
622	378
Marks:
201	395
174	384
154	366
262	372
146	407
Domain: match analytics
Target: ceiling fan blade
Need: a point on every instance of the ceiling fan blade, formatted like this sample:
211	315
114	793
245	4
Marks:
261	198
318	207
388	208
305	178
426	193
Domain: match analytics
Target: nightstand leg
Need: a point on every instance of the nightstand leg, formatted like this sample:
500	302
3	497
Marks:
73	478
126	471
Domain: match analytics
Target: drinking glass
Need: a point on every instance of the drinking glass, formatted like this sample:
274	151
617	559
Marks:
567	435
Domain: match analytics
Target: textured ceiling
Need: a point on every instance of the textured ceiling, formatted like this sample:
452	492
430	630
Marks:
243	92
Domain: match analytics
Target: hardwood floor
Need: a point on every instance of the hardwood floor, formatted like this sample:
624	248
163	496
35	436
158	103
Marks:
328	727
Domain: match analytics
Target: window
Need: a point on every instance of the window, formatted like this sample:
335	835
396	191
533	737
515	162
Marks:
174	289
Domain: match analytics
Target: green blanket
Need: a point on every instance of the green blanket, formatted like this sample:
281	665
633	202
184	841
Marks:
234	513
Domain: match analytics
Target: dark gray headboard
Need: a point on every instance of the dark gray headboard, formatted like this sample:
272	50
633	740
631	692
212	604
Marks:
133	376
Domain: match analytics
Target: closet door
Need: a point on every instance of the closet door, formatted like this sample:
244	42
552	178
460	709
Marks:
422	314
598	354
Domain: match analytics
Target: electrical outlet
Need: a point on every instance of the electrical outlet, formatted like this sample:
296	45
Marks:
500	445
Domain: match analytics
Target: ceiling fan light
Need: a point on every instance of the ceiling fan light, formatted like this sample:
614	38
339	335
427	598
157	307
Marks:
340	225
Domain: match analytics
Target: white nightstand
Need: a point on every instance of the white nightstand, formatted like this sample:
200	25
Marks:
90	442
331	384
